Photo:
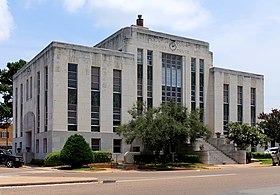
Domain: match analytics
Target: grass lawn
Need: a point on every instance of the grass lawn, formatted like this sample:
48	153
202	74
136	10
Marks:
174	165
81	168
266	161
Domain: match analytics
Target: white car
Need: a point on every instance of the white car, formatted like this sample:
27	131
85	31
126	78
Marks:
271	150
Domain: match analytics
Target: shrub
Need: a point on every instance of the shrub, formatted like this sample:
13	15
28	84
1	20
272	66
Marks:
101	156
76	152
53	159
260	155
38	162
189	158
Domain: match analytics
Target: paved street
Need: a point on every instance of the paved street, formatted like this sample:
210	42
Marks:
227	180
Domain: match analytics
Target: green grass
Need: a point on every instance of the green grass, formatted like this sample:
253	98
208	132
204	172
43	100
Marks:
266	161
89	169
173	165
80	169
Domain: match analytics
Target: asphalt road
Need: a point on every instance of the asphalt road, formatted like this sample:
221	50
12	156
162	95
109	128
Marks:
230	180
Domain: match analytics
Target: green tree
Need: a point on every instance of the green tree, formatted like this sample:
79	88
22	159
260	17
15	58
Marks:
76	152
6	90
270	123
244	135
161	127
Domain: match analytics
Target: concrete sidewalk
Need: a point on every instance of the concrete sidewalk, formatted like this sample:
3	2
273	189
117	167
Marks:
27	180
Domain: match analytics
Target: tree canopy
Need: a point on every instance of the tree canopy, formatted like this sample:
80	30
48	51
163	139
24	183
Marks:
161	127
270	123
6	89
244	135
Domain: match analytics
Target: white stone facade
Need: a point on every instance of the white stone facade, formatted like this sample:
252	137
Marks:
41	123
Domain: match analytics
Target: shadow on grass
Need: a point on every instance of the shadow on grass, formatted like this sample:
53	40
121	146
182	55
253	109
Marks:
80	168
171	166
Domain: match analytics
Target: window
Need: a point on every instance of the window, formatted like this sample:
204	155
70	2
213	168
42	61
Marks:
149	79
46	99
140	74
226	108
95	144
95	99
21	110
240	104
30	87
72	97
4	135
16	114
117	98
171	78
201	83
253	106
15	149
193	83
45	145
38	102
37	146
27	89
20	147
117	145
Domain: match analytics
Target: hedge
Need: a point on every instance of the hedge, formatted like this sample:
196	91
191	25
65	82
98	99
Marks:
101	156
258	155
53	159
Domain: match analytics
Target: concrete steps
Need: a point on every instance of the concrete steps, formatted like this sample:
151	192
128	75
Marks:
211	154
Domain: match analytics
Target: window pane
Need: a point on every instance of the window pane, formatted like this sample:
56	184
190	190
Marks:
116	100
95	98
72	96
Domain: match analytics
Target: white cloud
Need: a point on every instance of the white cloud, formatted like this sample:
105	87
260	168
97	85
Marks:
176	15
74	5
6	21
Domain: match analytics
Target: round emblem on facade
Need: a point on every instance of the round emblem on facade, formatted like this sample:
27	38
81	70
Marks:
173	46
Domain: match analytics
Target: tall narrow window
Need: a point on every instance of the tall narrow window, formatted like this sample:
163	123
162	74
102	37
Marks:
20	147
240	104
117	98
193	83
171	78
21	110
140	75
15	149
72	97
253	106
226	108
46	99
149	79
38	102
30	88
201	83
16	114
95	99
45	145
27	89
37	145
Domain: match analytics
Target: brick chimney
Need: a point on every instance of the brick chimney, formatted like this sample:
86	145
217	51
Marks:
140	21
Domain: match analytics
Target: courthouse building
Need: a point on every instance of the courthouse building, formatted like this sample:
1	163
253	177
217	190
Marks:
68	89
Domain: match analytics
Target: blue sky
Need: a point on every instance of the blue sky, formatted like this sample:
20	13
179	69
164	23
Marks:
243	34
